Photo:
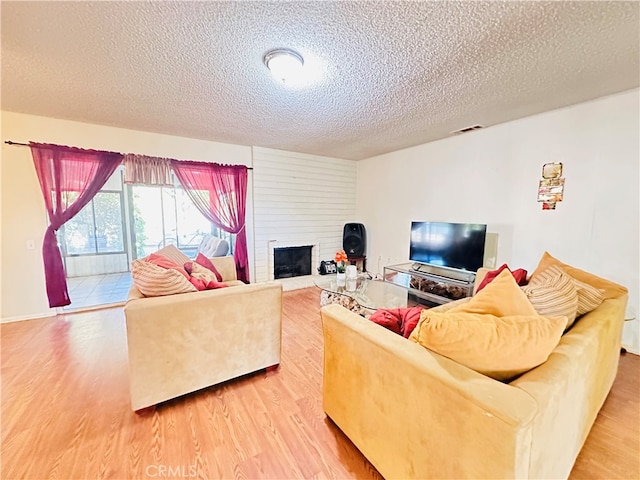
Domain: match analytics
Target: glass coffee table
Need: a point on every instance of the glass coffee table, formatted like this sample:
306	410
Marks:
363	298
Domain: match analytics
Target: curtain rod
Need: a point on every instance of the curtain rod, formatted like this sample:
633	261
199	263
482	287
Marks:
9	142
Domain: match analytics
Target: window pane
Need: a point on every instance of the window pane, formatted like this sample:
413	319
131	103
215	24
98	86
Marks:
79	234
170	220
167	216
147	216
108	211
192	225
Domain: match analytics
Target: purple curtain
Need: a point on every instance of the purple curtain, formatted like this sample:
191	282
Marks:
69	179
220	193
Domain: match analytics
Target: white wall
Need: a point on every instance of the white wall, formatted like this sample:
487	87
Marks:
488	176
491	176
300	199
23	213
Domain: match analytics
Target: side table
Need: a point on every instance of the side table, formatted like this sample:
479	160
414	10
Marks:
359	262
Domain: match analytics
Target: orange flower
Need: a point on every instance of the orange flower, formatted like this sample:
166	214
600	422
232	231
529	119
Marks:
341	256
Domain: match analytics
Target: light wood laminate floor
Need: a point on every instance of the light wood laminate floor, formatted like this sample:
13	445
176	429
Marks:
66	413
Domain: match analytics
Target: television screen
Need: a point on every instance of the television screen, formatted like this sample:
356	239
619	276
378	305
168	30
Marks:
453	245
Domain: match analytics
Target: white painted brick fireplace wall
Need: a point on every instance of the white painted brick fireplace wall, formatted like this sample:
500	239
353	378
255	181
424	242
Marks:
300	200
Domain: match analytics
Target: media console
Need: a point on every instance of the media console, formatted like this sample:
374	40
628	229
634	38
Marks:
431	284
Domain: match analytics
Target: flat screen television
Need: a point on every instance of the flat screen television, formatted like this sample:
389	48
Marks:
453	245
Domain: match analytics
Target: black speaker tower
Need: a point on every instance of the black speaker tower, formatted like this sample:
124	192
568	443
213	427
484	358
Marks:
354	240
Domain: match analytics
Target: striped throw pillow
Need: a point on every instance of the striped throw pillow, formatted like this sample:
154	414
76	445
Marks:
553	294
172	253
589	297
155	281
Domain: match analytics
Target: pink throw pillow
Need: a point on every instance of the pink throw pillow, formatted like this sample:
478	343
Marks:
206	263
411	319
399	320
202	284
388	320
164	262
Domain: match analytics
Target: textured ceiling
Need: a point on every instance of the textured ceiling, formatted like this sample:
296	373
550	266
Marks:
393	74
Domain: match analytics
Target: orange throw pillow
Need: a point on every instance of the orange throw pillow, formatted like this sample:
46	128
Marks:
501	297
499	347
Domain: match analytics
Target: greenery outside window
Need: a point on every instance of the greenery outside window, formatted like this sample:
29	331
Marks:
166	216
97	228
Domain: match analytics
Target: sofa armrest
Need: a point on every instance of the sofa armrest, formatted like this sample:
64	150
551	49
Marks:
571	387
416	414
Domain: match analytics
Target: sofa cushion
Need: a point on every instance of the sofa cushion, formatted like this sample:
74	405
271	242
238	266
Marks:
520	276
553	293
501	297
154	281
610	289
172	253
206	263
499	347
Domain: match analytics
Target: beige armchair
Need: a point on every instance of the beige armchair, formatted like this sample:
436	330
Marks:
182	343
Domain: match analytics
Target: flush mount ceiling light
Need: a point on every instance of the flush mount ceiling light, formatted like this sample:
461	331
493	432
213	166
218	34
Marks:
284	64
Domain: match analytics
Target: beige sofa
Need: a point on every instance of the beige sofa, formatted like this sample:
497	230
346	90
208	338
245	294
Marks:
181	343
416	414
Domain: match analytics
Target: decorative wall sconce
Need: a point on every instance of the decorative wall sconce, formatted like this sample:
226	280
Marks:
551	186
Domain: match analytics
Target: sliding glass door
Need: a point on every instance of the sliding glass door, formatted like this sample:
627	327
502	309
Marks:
124	222
94	241
166	216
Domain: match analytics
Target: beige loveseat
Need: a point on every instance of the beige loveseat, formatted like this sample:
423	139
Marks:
416	414
181	343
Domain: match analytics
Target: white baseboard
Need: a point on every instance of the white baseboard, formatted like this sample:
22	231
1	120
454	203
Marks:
21	318
296	283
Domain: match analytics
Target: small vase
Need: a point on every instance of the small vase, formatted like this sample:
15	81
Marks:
341	279
352	277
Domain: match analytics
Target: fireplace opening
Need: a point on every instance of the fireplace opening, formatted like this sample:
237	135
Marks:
291	261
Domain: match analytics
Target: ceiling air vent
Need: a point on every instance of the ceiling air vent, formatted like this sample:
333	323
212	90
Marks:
466	129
